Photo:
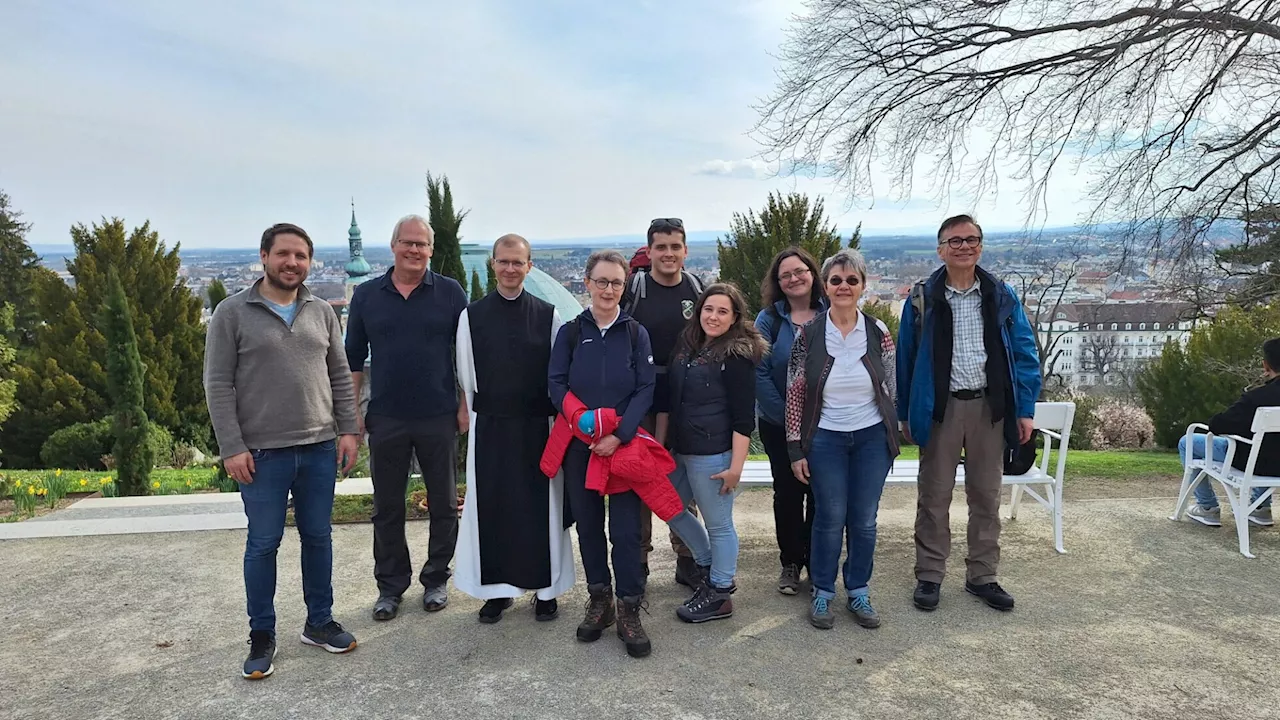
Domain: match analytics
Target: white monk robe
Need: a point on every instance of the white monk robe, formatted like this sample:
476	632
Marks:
501	550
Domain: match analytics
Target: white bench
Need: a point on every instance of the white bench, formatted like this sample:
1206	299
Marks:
1043	482
1237	485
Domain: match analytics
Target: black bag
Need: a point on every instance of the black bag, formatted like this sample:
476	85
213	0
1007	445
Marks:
1021	459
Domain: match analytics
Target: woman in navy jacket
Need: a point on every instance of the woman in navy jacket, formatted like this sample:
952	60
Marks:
604	358
790	296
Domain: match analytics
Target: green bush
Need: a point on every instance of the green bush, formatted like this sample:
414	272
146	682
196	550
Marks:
161	443
80	446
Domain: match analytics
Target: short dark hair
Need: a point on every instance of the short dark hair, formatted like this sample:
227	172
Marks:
771	289
606	256
958	220
666	225
1271	353
269	237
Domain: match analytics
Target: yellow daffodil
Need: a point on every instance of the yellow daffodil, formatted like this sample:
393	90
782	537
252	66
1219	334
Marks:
104	481
43	492
83	482
155	485
31	489
188	483
17	483
58	473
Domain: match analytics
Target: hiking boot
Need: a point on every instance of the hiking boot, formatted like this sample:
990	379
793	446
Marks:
927	595
863	613
1206	516
435	598
789	580
386	608
992	594
820	615
1261	517
600	613
629	628
544	610
492	610
330	636
262	650
686	571
708	603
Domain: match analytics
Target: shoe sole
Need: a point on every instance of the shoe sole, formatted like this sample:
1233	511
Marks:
988	602
547	618
1205	521
590	636
327	647
435	607
870	625
389	616
788	590
258	674
823	624
709	618
921	606
638	651
1261	523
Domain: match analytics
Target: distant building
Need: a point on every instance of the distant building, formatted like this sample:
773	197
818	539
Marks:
1096	344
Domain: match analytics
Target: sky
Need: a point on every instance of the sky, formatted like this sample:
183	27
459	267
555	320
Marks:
555	119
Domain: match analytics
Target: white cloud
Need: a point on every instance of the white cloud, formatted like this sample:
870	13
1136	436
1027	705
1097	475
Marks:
756	169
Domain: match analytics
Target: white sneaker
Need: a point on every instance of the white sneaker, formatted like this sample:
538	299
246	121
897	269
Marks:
1206	516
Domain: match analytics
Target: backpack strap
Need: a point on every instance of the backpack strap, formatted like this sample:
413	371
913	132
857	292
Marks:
918	302
637	290
775	326
693	280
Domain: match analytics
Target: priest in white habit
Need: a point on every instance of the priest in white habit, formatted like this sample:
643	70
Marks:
512	536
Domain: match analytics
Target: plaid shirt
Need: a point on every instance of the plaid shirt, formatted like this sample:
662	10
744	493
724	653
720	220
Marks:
968	354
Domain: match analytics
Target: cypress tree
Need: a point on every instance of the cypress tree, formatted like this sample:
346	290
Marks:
133	455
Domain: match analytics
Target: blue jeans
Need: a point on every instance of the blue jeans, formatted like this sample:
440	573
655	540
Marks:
847	471
692	479
1204	491
309	472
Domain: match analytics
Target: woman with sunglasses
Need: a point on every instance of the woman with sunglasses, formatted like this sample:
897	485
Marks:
791	296
713	397
841	433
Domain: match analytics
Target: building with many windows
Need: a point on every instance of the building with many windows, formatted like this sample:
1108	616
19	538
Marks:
1092	344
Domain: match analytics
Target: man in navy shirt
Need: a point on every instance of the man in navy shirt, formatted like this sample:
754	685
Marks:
408	318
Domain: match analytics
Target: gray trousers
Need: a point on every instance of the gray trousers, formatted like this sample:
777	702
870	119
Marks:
966	426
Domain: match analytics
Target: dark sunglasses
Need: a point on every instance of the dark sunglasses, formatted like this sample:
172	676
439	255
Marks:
837	281
666	223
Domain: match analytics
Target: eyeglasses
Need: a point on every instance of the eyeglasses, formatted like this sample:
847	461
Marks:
601	283
837	281
666	223
510	264
415	245
793	275
957	242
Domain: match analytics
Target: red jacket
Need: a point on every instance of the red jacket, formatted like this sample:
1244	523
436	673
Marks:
641	465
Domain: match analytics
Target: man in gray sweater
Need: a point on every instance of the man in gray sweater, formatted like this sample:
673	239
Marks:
284	411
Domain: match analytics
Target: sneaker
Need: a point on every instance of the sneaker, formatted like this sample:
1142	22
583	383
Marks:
992	594
1261	517
262	650
1206	516
386	608
435	598
789	580
544	610
927	595
329	636
863	613
708	603
629	628
492	610
686	571
600	613
820	615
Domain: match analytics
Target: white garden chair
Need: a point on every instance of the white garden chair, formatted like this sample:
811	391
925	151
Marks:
1236	484
1053	420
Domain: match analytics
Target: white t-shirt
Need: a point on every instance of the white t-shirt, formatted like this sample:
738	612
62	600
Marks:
849	397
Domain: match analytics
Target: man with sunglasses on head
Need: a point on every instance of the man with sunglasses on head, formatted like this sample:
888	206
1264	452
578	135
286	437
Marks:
662	300
968	379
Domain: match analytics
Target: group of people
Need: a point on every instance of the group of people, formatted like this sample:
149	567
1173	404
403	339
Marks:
642	405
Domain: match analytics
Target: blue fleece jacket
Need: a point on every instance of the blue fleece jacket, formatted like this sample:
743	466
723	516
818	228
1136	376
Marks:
604	371
771	373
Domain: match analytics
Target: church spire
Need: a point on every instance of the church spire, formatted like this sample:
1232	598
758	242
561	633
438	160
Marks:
357	267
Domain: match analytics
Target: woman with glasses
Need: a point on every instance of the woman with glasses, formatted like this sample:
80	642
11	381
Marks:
791	296
841	433
604	358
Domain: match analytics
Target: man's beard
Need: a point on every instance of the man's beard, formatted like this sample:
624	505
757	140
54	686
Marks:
276	282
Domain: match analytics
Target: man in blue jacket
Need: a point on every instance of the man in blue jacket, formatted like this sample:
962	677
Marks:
968	379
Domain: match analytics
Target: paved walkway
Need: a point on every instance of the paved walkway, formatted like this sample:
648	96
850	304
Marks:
1144	618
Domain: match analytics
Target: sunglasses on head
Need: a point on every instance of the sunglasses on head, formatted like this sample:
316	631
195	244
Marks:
666	223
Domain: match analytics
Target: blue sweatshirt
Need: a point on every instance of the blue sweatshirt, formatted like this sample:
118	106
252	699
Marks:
771	373
604	371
